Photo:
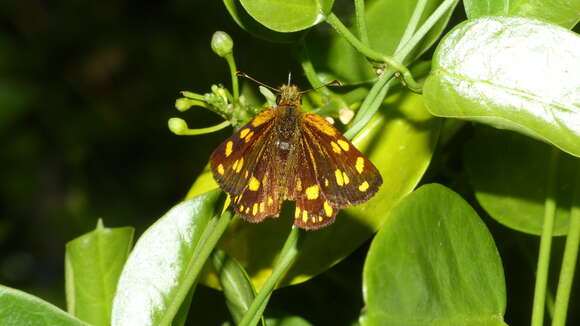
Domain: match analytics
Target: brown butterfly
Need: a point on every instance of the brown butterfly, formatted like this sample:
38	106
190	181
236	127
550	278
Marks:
286	154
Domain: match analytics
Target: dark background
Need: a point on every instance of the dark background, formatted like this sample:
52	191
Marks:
86	89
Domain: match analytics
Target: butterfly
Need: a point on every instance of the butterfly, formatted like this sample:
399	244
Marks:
286	154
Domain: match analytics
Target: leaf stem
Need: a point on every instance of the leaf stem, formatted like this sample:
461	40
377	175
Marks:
212	233
179	127
361	22
287	256
413	22
570	258
233	69
371	103
371	54
402	54
546	241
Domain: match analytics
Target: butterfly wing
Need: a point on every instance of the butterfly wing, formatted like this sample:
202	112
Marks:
240	165
345	175
313	209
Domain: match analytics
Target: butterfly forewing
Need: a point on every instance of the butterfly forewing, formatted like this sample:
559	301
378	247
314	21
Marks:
345	175
233	162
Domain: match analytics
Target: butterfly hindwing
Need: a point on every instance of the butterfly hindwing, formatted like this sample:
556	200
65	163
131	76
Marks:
259	199
345	175
234	159
313	209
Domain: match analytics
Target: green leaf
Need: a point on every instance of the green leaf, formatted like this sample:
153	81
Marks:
258	30
18	308
512	192
511	73
561	12
236	284
335	56
433	263
157	267
400	141
282	321
288	15
93	265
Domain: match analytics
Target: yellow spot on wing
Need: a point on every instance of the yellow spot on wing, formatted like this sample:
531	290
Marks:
248	210
327	209
241	208
220	169
313	219
238	167
255	209
229	148
312	192
270	201
263	117
320	218
320	124
363	186
244	132
304	216
298	184
360	164
338	175
345	178
297	212
254	184
247	139
344	145
335	147
326	182
262	207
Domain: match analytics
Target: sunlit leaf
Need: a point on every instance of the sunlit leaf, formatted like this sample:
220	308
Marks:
512	73
433	263
93	264
18	308
562	12
288	15
156	268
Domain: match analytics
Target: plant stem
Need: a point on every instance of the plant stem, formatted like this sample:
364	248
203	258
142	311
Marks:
212	233
413	22
371	103
361	22
233	69
370	53
402	54
309	70
546	241
287	256
570	257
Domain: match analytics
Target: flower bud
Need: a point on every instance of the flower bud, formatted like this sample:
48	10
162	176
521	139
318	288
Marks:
221	43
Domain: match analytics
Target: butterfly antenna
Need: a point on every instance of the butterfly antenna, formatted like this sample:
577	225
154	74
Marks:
242	74
334	82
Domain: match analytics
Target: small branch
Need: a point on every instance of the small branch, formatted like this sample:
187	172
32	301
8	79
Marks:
285	260
570	258
413	22
546	241
361	22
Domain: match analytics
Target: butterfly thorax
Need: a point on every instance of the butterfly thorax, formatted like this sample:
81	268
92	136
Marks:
286	136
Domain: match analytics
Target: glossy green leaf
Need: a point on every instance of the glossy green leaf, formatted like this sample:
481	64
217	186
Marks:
258	30
335	56
561	12
235	283
18	308
288	15
156	268
400	141
93	264
433	263
512	73
513	193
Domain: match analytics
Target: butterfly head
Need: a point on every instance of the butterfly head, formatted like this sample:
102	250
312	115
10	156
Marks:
288	94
